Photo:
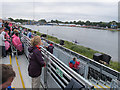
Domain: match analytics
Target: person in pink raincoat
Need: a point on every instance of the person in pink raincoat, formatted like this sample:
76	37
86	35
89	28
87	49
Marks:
7	35
16	42
10	24
7	42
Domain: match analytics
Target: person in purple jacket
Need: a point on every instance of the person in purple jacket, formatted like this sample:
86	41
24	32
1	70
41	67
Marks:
36	61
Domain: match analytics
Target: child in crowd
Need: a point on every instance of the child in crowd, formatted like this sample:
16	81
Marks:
7	75
74	64
2	42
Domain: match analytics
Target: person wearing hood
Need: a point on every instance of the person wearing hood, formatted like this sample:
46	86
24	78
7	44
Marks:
16	42
2	42
36	61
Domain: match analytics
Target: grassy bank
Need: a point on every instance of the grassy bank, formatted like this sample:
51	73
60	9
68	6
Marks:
88	52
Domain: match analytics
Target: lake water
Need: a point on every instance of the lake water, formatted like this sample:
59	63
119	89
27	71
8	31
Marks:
101	40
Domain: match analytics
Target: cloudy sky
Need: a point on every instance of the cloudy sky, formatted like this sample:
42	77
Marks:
64	10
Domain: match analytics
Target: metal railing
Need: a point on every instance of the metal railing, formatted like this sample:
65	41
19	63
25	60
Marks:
56	74
89	68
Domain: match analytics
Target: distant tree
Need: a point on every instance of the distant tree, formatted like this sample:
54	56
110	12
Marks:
11	19
66	22
88	23
52	21
71	22
82	23
79	22
56	21
74	22
118	24
103	24
94	23
42	20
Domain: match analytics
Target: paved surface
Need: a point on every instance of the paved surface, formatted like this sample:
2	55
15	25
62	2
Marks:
20	66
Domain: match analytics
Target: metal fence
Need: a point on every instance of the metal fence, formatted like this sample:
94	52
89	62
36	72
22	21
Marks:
57	74
89	69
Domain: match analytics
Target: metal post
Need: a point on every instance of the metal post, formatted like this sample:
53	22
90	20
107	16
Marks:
86	71
45	71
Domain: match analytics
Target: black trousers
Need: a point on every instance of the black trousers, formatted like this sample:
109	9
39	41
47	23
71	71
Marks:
9	50
3	51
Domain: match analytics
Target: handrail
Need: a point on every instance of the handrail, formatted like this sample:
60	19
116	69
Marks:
68	72
111	75
88	60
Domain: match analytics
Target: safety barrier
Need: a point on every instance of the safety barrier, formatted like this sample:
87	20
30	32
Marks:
89	68
56	74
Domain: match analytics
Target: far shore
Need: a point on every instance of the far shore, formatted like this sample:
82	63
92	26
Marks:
89	27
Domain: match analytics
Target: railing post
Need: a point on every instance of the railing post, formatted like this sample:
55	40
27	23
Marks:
45	71
86	71
112	84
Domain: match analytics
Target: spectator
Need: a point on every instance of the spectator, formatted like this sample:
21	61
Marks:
29	33
16	42
7	26
6	35
7	75
35	33
50	48
2	42
25	31
74	64
7	43
36	61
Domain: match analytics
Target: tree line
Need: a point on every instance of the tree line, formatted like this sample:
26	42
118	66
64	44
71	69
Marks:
87	23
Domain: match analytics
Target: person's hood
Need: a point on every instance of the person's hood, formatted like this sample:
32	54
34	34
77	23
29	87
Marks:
51	44
14	36
30	49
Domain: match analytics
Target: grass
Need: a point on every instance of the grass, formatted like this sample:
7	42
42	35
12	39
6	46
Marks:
88	52
54	39
114	65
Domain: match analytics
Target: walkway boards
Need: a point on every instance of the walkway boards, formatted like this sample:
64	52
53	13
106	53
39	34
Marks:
22	79
20	66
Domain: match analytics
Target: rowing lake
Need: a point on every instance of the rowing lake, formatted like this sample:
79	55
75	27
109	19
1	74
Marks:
101	40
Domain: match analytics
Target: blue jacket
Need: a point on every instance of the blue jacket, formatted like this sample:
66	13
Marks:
29	34
73	62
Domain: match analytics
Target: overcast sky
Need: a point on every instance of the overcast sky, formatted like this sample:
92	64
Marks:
64	10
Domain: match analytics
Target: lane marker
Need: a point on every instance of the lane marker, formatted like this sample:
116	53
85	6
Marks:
20	72
107	86
96	88
102	87
10	60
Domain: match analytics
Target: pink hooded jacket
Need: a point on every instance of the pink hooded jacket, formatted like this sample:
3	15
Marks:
7	44
17	43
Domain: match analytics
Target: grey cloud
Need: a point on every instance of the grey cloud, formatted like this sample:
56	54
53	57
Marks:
101	11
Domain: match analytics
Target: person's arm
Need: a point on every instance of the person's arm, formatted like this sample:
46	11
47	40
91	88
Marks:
3	38
78	62
39	58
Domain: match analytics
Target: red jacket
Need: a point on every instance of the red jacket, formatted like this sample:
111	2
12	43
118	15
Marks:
76	64
71	65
